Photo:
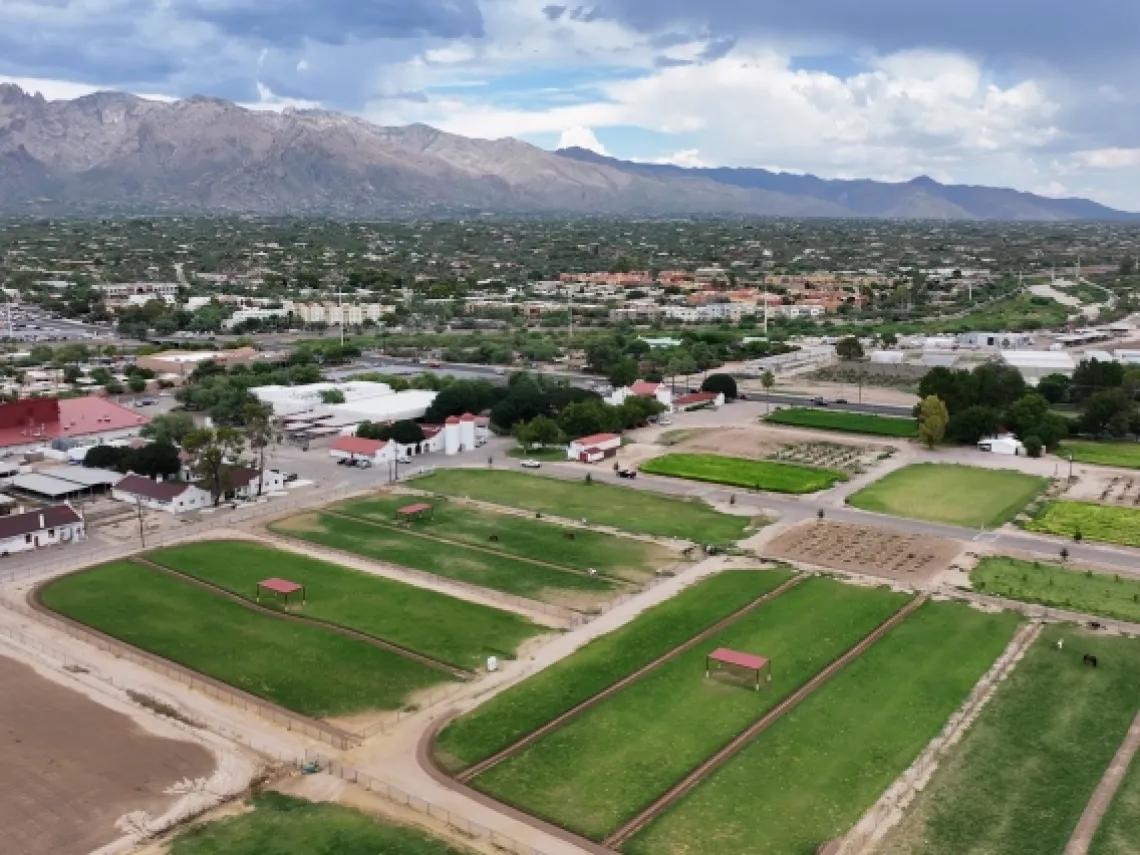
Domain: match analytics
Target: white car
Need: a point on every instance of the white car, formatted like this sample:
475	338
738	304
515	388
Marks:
530	464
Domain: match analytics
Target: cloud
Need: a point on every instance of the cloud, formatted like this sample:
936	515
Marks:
670	62
1109	158
553	13
580	137
690	158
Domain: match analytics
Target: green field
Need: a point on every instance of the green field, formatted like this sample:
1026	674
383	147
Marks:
1094	522
546	455
1021	776
525	537
817	770
849	422
305	668
1119	832
945	493
1125	455
599	769
524	708
740	472
442	627
603	504
476	567
283	825
1060	587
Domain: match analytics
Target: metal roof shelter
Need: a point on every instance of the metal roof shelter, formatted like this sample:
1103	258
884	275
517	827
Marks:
87	477
733	663
411	512
280	587
46	486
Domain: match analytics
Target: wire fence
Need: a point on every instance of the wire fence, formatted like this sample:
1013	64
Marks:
457	822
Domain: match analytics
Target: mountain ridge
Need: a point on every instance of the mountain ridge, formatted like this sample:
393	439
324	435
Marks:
112	151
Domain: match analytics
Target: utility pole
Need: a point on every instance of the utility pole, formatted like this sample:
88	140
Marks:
142	528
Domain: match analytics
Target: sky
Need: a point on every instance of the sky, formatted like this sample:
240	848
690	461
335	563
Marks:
1041	95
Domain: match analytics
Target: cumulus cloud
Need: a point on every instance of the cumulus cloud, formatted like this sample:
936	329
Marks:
580	137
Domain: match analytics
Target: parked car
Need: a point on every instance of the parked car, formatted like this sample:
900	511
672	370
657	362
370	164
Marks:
362	463
345	461
819	402
841	400
530	464
289	477
627	473
665	422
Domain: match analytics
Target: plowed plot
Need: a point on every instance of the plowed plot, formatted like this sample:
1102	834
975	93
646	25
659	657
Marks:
70	767
870	551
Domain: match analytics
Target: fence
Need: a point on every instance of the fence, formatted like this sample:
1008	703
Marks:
455	821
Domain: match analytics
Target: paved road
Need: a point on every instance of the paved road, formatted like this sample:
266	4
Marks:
849	407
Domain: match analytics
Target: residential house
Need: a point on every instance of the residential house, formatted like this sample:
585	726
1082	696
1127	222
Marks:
591	449
172	497
38	529
698	400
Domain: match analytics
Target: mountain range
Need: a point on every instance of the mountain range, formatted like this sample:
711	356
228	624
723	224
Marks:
111	151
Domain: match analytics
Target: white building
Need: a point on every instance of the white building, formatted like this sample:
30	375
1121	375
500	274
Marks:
591	449
1005	443
252	313
1035	364
172	497
357	448
123	290
363	401
41	528
643	389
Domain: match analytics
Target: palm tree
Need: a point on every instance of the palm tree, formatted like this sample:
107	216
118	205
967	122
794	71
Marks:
768	380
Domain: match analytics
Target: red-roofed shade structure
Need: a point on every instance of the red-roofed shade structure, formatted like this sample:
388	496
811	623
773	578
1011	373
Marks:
280	587
735	664
414	512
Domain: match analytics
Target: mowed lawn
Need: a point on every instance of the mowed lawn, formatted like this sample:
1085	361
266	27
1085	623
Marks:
865	423
305	668
1068	588
811	776
740	472
284	825
525	537
1125	455
603	504
436	625
1119	831
1093	522
956	495
475	567
599	769
524	708
1021	776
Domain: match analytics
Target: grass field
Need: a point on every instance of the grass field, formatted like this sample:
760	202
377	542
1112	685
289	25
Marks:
1122	454
621	507
546	455
486	569
1060	587
739	472
525	537
1119	832
599	769
848	422
956	495
524	708
283	825
451	630
313	671
1021	776
817	770
1093	521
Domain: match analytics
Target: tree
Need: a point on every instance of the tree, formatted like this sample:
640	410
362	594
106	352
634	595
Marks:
1026	414
889	339
972	424
637	410
849	349
721	383
932	420
332	396
622	373
588	417
538	432
257	421
136	384
1054	387
71	374
168	428
1106	411
1033	445
105	457
210	451
768	381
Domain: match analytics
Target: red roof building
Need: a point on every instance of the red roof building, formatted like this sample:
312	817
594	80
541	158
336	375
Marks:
645	389
34	421
355	446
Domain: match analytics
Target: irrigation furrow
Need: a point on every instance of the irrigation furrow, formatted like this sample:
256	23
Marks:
690	781
423	659
552	725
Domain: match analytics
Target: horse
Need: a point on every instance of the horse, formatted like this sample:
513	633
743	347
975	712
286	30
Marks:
1090	660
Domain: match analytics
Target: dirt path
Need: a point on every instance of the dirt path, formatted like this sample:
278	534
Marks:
453	670
709	766
554	724
1105	790
498	553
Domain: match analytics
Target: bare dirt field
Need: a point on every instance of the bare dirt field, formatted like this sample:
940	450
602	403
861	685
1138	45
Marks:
1111	487
867	551
69	768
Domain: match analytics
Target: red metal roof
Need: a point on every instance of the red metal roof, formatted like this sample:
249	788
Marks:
417	508
695	398
280	586
358	445
736	657
644	388
597	439
453	420
67	417
467	417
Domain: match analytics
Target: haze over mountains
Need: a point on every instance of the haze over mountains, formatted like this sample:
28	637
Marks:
116	152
